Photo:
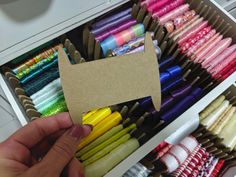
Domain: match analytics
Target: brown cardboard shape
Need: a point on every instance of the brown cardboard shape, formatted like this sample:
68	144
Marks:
110	81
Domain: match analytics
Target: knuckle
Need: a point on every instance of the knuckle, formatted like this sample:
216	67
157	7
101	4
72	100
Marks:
63	148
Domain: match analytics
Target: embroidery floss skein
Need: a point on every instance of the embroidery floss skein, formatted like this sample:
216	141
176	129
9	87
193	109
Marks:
111	25
39	71
36	59
155	5
102	145
109	19
106	163
181	106
116	29
36	66
212	117
47	101
106	124
53	105
35	85
220	57
228	135
199	45
141	49
174	13
200	56
212	106
46	93
179	21
223	121
171	6
114	41
190	42
218	49
100	140
54	85
59	106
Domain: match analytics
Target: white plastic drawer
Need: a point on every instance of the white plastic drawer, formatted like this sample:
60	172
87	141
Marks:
9	123
26	24
8	129
233	12
1	92
14	108
6	115
227	4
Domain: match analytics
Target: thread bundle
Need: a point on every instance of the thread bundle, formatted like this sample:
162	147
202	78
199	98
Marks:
219	119
196	38
190	157
207	152
39	78
116	30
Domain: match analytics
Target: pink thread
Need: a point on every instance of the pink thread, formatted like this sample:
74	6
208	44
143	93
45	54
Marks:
168	8
217	69
201	42
190	33
190	42
155	5
200	56
227	52
217	50
173	14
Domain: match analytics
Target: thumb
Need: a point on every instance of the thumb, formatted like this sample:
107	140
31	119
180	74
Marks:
64	149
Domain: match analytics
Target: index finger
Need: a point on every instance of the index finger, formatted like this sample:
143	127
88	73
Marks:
34	132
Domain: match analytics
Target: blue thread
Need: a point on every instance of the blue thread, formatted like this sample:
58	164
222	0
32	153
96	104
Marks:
39	71
165	63
38	83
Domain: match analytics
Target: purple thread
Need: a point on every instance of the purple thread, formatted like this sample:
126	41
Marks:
109	26
146	103
166	77
111	18
116	29
167	103
182	106
175	96
181	92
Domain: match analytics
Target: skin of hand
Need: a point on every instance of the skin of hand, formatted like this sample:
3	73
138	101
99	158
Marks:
43	148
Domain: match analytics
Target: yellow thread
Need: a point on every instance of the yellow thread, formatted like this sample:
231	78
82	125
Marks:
98	116
102	127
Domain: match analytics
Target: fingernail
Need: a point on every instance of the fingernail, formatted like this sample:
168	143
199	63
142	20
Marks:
90	126
76	131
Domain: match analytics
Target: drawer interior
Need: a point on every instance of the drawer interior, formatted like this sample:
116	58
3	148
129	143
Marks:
148	121
211	143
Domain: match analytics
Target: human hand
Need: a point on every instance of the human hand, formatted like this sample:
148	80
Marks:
43	148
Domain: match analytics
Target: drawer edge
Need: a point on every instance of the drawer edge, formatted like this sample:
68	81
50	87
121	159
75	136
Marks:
13	101
43	37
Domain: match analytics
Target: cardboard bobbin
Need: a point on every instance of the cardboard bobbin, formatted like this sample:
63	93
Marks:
110	81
